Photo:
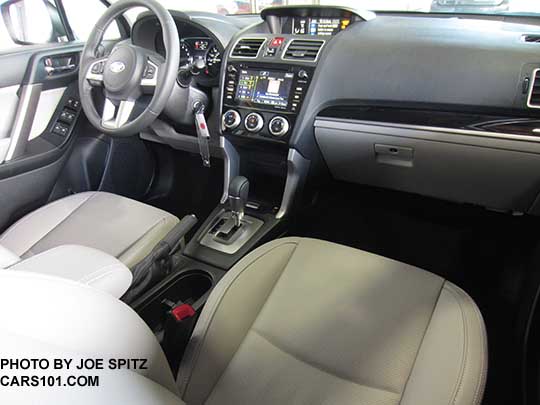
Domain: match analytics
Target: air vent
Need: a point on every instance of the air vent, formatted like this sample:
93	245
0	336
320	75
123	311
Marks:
303	49
247	47
534	92
531	38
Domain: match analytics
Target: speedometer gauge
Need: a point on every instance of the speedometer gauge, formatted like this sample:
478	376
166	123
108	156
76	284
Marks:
185	54
213	61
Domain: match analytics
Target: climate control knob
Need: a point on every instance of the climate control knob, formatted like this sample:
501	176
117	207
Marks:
278	126
231	119
254	122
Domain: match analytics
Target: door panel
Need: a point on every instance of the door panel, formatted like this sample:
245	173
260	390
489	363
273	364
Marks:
32	150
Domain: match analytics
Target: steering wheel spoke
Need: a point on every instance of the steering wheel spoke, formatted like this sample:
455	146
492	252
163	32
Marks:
95	71
116	115
150	75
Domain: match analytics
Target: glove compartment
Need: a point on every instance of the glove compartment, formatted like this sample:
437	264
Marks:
496	171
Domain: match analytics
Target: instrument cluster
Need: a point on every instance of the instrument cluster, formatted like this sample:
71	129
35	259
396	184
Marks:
201	48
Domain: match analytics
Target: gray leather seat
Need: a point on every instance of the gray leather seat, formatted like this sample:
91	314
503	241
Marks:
297	321
120	227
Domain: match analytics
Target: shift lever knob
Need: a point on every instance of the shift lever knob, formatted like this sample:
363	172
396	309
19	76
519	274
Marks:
238	196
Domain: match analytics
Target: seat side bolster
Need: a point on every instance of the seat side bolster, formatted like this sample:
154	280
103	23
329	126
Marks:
454	349
228	315
29	230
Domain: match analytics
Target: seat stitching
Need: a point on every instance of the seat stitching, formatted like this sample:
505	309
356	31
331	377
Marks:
479	382
88	277
59	223
98	277
26	218
422	341
459	382
198	348
318	367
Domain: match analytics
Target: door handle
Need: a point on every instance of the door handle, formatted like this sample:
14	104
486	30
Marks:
59	69
55	65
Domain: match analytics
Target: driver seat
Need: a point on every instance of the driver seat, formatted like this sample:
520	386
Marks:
123	228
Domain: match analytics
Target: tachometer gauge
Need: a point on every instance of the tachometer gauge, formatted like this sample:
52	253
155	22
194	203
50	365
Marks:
213	61
185	54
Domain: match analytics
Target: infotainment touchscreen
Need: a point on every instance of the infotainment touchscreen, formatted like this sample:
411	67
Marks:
265	87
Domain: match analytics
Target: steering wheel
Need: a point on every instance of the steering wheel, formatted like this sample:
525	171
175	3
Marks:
128	73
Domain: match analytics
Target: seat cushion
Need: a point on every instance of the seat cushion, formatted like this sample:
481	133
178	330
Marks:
301	321
119	226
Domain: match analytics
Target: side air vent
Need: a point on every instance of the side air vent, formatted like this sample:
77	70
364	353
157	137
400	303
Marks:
303	49
534	92
247	48
531	38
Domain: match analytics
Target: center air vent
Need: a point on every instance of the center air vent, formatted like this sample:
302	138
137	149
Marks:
531	38
247	48
534	92
303	49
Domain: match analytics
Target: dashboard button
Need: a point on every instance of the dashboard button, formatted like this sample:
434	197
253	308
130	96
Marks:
231	119
278	126
254	122
302	74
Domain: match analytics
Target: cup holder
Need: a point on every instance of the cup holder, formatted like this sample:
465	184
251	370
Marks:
187	287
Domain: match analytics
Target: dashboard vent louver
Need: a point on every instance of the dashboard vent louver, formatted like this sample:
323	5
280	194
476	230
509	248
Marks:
531	38
534	94
303	49
247	47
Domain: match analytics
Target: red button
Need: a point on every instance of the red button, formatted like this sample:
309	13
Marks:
202	126
277	42
182	312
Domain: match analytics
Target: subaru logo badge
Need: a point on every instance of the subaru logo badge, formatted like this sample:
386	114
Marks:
117	67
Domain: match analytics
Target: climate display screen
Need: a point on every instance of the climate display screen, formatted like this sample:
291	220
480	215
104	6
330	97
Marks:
318	25
264	87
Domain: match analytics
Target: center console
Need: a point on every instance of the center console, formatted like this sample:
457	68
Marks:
268	72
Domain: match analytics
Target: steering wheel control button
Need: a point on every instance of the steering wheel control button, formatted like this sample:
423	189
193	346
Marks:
254	122
231	119
278	126
149	72
97	68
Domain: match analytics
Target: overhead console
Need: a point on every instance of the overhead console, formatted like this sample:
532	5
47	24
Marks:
269	69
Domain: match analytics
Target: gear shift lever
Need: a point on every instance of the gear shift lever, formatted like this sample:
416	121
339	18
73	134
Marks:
238	196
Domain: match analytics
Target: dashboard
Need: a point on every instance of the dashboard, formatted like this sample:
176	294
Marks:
428	104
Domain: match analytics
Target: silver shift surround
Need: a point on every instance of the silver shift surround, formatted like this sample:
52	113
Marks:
250	226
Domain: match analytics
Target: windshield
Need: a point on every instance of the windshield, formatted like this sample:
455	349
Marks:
528	7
